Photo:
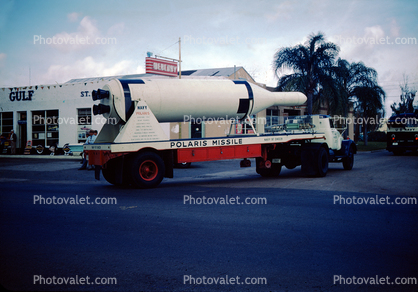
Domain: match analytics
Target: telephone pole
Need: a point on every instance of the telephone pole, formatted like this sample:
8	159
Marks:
179	57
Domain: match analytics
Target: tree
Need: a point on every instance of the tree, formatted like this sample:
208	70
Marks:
349	77
311	64
315	72
407	99
358	83
369	101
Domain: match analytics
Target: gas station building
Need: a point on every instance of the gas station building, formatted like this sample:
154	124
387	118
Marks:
58	114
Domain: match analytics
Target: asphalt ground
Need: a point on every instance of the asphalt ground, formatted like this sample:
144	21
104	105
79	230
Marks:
299	237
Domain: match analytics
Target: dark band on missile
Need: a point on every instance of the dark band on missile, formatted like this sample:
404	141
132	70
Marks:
129	105
245	105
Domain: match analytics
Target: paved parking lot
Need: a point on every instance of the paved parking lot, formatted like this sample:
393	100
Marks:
296	238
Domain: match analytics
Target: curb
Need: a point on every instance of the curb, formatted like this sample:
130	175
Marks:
371	151
31	156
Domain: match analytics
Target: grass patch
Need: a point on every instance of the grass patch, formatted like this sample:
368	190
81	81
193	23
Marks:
371	146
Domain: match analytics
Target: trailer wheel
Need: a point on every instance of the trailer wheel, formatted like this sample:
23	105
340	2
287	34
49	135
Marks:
147	170
322	162
348	162
114	172
109	173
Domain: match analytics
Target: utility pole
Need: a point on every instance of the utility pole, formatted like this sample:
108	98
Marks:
179	57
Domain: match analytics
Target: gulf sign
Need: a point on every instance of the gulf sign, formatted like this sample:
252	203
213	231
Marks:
160	66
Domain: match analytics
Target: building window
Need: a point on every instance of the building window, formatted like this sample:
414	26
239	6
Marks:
272	117
45	128
84	123
292	113
6	123
84	116
245	127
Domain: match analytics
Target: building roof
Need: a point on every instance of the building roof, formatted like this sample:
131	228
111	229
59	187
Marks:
107	78
213	72
225	72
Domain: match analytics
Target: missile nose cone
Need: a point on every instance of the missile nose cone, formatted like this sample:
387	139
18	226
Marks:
302	98
289	98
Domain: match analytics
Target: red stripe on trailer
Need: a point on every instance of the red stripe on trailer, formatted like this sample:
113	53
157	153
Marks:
218	153
100	157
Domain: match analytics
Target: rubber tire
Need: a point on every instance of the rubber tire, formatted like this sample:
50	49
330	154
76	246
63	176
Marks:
348	162
109	172
322	160
291	165
147	170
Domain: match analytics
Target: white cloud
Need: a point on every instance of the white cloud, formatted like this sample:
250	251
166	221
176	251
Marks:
88	67
375	32
83	38
356	48
282	11
116	29
73	16
2	59
394	28
88	26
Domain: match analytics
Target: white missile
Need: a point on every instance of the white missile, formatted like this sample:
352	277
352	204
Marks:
171	100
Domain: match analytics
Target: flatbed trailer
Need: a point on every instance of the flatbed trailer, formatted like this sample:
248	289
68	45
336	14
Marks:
135	151
145	164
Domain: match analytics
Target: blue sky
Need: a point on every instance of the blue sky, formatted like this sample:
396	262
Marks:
214	34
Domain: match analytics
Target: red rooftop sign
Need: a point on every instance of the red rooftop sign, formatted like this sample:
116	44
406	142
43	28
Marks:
160	66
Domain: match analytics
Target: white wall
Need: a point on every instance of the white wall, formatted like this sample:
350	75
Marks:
66	98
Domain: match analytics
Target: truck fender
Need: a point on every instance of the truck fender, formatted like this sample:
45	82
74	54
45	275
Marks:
346	144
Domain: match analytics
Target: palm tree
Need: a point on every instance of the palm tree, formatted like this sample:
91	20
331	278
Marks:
369	104
311	64
358	83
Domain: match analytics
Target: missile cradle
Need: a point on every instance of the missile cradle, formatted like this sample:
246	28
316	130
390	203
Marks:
140	104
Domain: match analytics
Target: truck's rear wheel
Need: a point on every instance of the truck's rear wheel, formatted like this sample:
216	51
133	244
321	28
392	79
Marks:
109	173
348	162
114	172
315	161
291	165
322	162
147	170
